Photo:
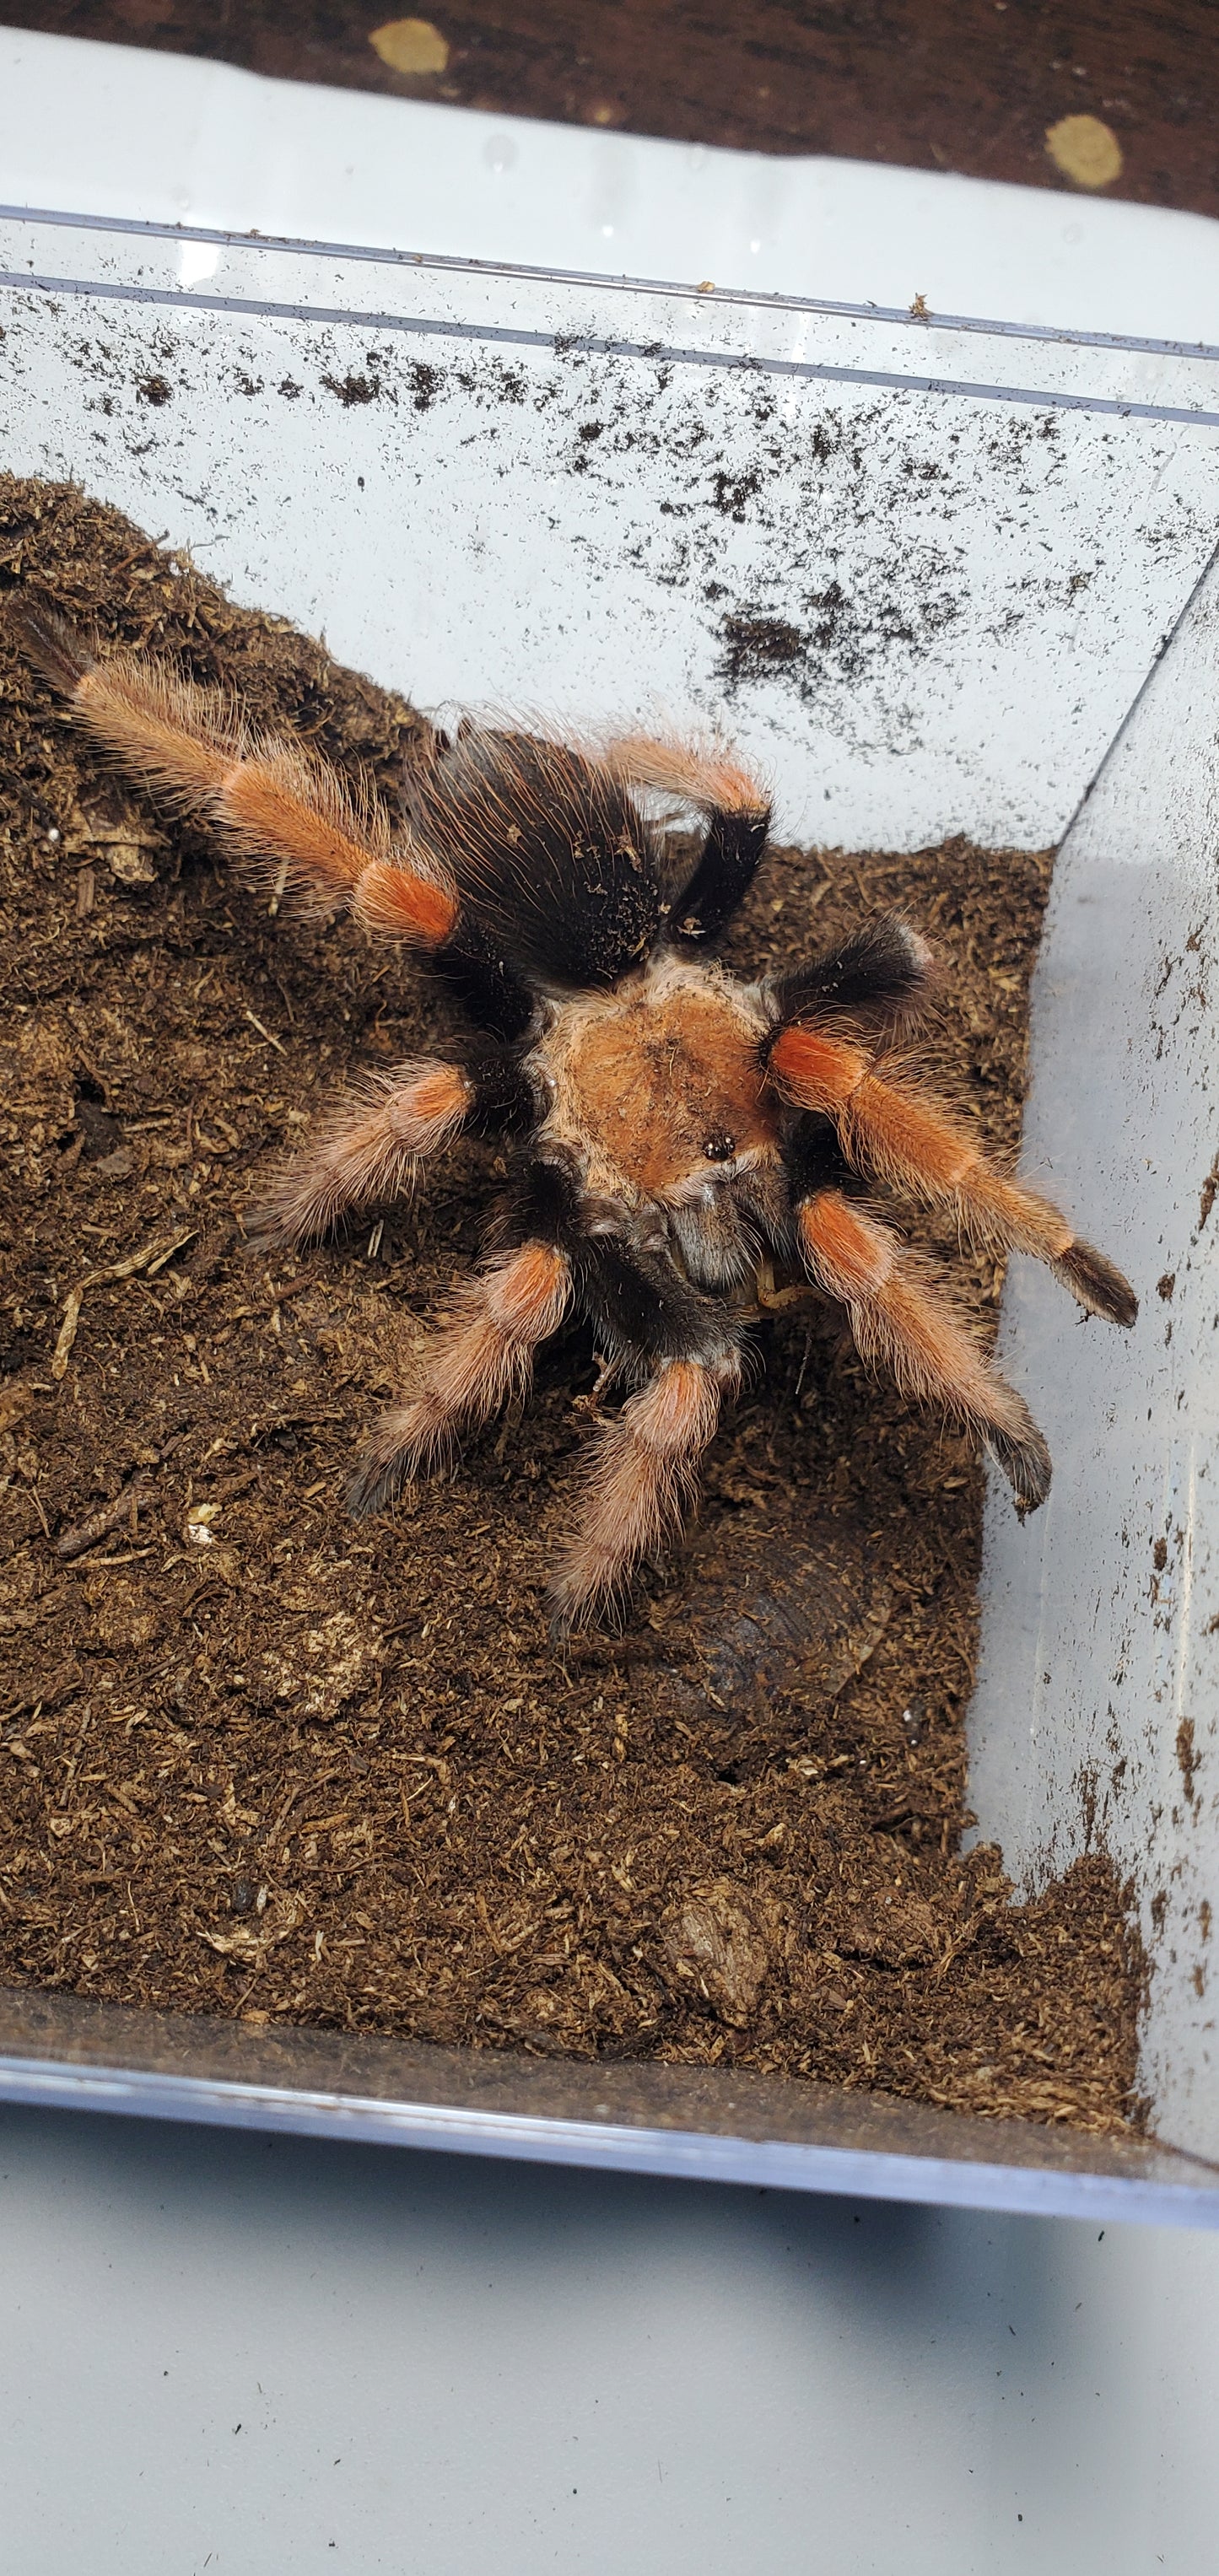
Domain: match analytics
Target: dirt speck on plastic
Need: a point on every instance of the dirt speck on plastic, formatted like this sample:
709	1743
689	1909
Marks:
257	1760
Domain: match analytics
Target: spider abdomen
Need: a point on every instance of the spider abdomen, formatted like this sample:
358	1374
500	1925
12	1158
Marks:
556	866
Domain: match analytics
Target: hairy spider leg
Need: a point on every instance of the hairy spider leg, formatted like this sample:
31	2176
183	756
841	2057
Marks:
738	812
369	1148
639	1474
900	1324
268	797
875	984
480	1356
638	1482
913	1144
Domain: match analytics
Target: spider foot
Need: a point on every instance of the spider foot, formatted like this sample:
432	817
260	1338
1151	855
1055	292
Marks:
1025	1461
407	1442
1097	1283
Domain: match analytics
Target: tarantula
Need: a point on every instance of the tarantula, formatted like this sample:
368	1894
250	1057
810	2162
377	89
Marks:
675	1136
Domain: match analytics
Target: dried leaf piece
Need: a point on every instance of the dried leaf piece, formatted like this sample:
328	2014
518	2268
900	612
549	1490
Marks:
86	1533
251	1941
150	1259
14	1401
324	1667
46	1690
720	1944
130	863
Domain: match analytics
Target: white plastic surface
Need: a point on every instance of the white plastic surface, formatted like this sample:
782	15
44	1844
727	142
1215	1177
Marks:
255	2356
116	132
919	574
1096	1718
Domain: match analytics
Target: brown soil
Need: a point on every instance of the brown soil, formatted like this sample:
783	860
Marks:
969	85
259	1760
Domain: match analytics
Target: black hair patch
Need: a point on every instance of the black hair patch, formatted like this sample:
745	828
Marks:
879	977
540	1204
637	1300
481	978
815	1160
504	1098
723	876
558	871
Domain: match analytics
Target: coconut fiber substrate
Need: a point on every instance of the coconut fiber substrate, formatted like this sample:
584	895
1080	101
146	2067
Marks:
259	1760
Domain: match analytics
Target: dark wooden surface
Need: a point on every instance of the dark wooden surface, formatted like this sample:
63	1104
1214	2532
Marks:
969	85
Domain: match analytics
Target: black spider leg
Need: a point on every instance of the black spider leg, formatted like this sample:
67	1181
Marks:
475	970
767	1199
723	874
504	1100
556	868
471	962
815	1161
878	980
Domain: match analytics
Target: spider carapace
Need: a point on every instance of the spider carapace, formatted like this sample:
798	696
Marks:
675	1138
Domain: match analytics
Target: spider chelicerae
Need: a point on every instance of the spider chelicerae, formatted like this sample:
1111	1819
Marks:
683	1148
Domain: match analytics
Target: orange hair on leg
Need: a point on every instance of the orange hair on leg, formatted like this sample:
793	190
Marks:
901	1324
192	747
707	777
401	902
371	1148
815	1071
292	814
481	1355
914	1144
639	1482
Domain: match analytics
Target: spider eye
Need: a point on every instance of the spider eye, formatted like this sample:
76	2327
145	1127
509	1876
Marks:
720	1147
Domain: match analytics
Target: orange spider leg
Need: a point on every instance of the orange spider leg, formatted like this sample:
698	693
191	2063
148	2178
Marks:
268	797
481	1355
639	1481
369	1149
898	1323
913	1144
707	778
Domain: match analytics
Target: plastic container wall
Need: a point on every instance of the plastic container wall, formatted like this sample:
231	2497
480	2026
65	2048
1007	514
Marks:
922	568
1096	1717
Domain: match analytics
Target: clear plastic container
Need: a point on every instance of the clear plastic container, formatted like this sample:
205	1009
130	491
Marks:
978	540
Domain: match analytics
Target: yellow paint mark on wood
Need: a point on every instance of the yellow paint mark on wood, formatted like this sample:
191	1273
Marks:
1085	151
410	45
